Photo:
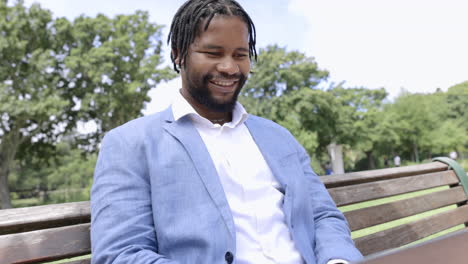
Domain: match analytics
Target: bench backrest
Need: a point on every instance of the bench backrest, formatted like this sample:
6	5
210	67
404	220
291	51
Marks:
60	231
45	233
393	207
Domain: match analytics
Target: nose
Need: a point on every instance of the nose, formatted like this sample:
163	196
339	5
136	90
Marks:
228	66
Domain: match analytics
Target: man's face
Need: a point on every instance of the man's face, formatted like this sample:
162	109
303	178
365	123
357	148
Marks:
217	64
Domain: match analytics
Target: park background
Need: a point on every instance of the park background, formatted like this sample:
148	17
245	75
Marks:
376	79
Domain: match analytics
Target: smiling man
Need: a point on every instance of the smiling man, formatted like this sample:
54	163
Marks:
204	181
215	66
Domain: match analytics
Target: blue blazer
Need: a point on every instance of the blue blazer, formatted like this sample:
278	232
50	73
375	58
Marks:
157	198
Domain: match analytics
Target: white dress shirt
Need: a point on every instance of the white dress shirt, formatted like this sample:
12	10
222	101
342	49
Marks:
253	193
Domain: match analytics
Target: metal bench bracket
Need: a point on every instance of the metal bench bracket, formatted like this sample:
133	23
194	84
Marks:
459	171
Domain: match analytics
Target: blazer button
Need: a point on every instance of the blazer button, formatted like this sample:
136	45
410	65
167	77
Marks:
229	257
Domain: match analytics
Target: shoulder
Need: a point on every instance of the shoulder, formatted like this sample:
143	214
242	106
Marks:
267	126
257	120
139	129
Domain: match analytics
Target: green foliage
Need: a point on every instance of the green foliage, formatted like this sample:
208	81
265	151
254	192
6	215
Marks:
464	164
66	178
112	64
308	112
283	88
431	124
55	73
416	118
449	135
359	115
457	100
362	124
72	174
279	81
30	105
278	72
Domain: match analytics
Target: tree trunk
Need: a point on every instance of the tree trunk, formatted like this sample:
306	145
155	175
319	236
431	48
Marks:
8	148
5	200
416	152
336	157
370	160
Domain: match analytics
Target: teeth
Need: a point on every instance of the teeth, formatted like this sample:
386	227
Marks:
224	83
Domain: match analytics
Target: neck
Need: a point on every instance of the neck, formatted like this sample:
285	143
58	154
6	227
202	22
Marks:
221	121
213	116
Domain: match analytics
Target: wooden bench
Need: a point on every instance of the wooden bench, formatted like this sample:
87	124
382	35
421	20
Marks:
61	231
435	185
447	249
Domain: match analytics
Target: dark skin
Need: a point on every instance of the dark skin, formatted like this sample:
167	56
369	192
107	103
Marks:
217	65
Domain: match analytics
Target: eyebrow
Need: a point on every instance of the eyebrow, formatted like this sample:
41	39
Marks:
210	46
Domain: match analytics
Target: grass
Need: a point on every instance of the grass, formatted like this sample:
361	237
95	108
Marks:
25	202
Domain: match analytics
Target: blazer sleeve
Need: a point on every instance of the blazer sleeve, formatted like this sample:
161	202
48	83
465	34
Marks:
122	229
332	234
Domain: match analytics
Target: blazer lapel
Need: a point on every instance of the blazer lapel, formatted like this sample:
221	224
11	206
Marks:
184	131
274	148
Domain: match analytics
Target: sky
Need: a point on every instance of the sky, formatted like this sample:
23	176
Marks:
401	45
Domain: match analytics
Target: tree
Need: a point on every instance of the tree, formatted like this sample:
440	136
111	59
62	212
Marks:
112	64
32	109
66	178
54	73
310	115
414	120
457	100
451	131
283	87
362	123
278	77
449	135
278	72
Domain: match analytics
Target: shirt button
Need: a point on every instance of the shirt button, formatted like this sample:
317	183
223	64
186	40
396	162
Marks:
229	257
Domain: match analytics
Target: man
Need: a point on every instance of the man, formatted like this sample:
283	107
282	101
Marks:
453	155
203	181
397	161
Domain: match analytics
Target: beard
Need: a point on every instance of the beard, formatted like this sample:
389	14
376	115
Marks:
199	91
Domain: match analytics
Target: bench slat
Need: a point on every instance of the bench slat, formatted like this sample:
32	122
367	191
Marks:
452	245
352	178
379	214
407	233
40	217
47	244
61	231
381	189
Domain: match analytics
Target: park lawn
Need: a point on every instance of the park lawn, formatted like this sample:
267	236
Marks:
16	203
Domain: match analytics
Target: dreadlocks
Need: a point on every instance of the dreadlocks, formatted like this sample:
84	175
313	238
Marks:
185	25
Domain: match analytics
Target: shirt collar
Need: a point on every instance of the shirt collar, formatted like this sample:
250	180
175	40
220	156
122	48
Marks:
181	108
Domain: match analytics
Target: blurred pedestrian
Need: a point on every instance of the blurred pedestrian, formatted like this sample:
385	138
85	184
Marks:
385	162
453	155
397	161
328	169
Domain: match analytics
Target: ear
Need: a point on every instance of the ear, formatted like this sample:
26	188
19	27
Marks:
175	56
